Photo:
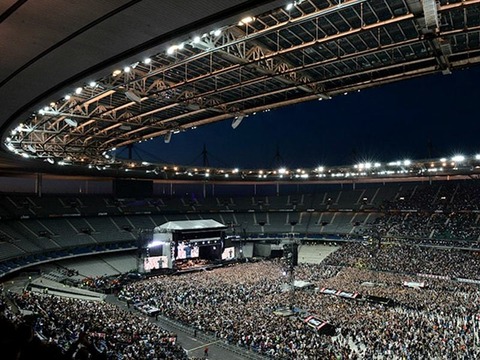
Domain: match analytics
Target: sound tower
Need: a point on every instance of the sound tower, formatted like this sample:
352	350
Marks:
294	254
290	252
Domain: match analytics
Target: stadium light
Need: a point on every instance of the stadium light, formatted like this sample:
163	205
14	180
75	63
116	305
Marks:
246	20
156	243
131	95
236	122
458	158
71	122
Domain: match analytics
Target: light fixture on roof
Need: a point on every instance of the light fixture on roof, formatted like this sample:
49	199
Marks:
92	84
71	122
50	160
323	97
172	49
168	137
131	95
305	88
78	90
236	122
246	20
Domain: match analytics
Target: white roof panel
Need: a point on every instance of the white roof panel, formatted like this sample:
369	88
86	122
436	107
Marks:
189	225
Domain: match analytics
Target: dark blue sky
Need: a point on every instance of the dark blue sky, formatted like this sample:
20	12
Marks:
387	123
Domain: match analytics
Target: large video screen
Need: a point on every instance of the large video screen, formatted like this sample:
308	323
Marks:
228	253
155	262
187	251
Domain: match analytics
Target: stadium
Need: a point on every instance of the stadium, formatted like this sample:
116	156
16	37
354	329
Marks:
107	253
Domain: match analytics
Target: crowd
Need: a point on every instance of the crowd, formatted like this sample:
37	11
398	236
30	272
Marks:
237	305
451	227
440	211
409	259
66	328
441	196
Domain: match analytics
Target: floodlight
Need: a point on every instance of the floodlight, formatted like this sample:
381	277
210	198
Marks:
237	121
245	20
71	122
130	94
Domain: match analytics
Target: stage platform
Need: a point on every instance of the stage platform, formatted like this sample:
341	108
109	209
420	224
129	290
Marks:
198	268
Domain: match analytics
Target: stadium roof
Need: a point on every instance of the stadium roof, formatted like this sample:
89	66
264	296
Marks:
89	77
189	225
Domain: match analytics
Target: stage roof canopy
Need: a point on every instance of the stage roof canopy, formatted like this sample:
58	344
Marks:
180	225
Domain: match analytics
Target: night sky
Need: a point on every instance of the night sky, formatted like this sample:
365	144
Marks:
432	116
